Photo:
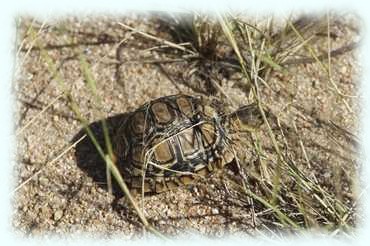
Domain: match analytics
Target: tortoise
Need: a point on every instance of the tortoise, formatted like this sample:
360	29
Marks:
172	140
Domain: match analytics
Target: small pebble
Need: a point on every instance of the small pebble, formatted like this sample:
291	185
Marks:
58	215
43	181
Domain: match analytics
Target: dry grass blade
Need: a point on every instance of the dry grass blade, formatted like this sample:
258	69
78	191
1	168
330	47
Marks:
125	189
332	205
160	40
74	107
331	209
254	74
302	146
329	45
50	163
278	213
34	40
108	158
39	114
333	53
325	68
230	37
92	85
282	217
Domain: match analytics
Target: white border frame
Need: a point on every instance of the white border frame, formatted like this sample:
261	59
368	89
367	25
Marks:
46	9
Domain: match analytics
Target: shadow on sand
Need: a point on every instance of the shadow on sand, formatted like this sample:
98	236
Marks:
88	158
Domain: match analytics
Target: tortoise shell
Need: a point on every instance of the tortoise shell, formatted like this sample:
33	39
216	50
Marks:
169	142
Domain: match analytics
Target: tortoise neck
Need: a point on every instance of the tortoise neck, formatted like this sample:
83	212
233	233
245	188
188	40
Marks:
230	122
245	119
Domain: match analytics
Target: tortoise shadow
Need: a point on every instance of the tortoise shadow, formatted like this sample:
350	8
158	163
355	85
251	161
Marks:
88	158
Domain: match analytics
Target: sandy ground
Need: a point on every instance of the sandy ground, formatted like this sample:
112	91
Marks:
70	195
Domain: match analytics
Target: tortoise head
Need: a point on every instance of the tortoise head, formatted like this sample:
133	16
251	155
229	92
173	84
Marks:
245	118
